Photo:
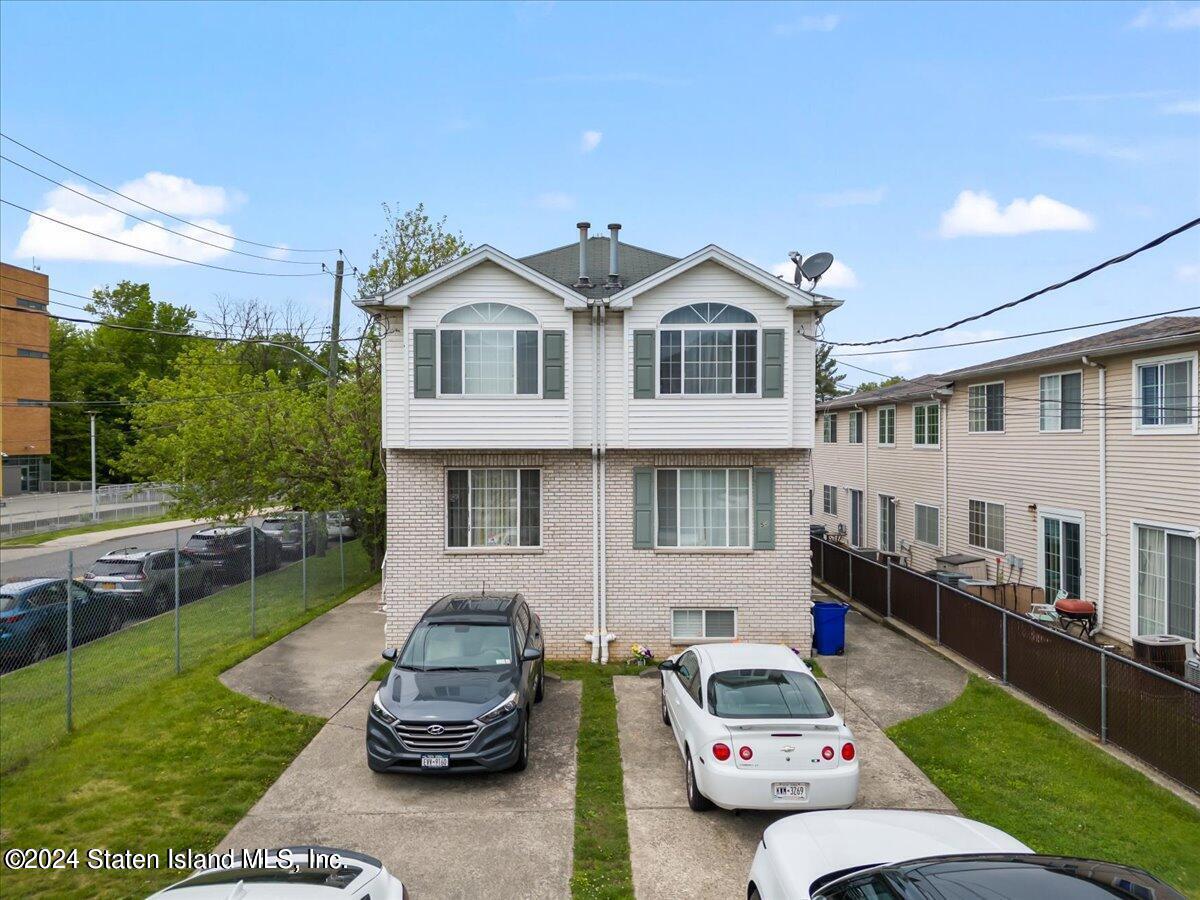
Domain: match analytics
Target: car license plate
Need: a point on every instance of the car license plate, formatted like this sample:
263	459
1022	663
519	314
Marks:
435	761
107	586
791	791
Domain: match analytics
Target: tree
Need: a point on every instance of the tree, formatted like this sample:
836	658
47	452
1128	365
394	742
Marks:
876	385
411	245
828	379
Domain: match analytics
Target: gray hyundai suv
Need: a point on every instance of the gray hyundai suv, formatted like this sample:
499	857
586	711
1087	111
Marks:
145	579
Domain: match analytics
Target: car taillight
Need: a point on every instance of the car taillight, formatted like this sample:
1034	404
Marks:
15	617
720	752
745	753
827	753
847	751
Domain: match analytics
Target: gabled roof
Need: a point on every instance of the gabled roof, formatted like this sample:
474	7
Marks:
401	296
909	389
562	264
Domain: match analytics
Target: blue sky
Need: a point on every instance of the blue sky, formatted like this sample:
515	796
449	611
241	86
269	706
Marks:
854	128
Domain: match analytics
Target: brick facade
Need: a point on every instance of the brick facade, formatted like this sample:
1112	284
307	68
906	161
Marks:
770	589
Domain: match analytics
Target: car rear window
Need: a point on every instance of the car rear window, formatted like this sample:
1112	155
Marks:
766	694
9	601
117	567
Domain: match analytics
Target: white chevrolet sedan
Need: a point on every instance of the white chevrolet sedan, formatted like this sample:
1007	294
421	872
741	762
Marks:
756	731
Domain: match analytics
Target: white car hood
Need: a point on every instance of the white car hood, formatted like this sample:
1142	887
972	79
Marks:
807	846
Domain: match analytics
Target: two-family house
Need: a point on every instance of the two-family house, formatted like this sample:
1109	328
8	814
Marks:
620	434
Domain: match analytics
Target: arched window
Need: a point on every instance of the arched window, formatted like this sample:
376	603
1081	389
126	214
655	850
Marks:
708	349
489	349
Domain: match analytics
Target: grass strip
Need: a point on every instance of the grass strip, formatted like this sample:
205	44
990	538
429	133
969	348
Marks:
1005	763
174	767
36	540
602	867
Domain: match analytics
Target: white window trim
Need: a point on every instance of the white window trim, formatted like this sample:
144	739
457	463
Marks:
895	522
878	416
938	510
516	548
1191	531
937	445
862	515
1003	518
1190	428
755	326
487	326
826	418
1003	410
1060	429
703	639
861	415
826	493
1066	515
708	548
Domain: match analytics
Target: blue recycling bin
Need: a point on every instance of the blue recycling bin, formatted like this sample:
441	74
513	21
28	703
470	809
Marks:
829	627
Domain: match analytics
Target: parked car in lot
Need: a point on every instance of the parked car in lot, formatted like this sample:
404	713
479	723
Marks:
300	873
33	618
340	524
756	731
861	854
461	692
227	549
294	532
145	579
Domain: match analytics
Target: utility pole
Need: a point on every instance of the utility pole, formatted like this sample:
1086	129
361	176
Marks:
334	325
92	430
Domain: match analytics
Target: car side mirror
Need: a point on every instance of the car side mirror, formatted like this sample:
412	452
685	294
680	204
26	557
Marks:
390	654
667	665
531	654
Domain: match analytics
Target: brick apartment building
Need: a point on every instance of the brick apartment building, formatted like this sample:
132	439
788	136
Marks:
24	379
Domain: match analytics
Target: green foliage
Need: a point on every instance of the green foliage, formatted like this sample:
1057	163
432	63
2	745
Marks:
411	245
828	379
1005	763
876	385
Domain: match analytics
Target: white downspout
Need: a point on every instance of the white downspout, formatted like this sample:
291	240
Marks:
1102	370
866	462
944	425
594	637
604	634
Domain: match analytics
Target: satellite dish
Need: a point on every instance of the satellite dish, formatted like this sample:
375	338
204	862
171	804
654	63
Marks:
816	266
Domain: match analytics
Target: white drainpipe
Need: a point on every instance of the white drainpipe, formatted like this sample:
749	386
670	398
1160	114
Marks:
1103	463
594	636
944	425
602	377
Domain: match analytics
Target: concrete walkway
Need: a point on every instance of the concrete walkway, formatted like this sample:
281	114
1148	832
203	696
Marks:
678	853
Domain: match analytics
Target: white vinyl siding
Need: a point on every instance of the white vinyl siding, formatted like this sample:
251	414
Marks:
985	407
927	524
985	525
926	425
702	624
886	426
1060	402
1165	394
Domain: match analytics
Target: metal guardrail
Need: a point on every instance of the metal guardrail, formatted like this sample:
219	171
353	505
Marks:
1144	711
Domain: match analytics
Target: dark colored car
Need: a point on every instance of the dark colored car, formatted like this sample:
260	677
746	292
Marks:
227	549
146	578
33	618
460	694
293	531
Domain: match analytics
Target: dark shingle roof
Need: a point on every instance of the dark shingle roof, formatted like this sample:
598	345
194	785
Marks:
562	265
910	389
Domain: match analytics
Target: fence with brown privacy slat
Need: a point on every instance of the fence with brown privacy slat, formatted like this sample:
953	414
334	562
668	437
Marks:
1148	713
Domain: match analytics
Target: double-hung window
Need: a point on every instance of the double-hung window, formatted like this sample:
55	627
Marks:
887	523
688	624
1060	399
926	424
708	349
702	507
490	508
856	427
1166	581
985	525
1165	394
927	525
885	419
489	350
829	499
829	424
985	407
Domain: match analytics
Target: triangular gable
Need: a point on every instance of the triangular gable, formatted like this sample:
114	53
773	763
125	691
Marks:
402	296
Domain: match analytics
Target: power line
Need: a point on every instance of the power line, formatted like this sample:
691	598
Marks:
290	262
1013	337
1161	239
154	209
157	253
116	403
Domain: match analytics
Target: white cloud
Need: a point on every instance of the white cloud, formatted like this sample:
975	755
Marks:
170	193
1091	145
826	22
1188	273
557	200
1171	16
839	275
590	140
852	197
978	213
1181	108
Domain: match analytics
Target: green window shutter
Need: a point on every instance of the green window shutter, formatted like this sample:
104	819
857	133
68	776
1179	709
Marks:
643	365
424	357
764	509
554	364
643	507
773	367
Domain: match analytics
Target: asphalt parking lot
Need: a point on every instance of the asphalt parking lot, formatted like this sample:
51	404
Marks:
503	835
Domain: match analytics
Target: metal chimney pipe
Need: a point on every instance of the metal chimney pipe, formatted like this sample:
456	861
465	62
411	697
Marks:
614	271
583	281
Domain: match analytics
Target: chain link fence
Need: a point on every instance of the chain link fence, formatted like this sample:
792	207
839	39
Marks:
79	639
1146	712
68	505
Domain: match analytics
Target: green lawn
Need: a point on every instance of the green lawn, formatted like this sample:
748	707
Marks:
1005	763
172	767
35	540
116	668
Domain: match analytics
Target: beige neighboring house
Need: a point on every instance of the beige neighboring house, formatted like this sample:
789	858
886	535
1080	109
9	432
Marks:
1076	467
620	434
